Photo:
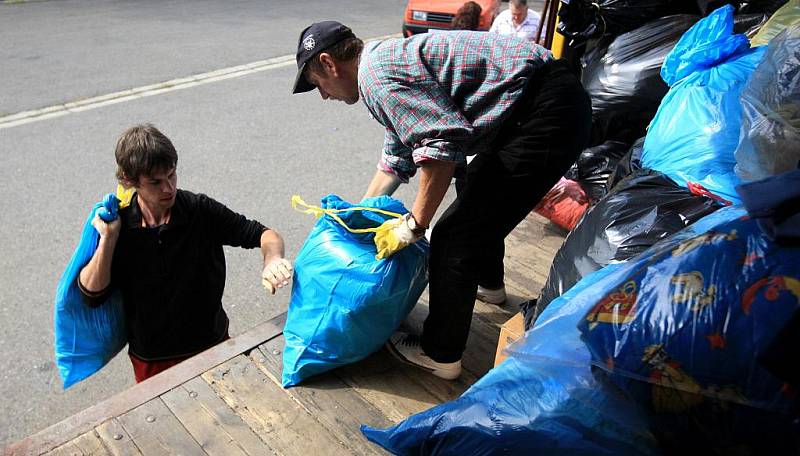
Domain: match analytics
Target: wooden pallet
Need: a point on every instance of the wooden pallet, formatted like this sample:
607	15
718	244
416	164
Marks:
228	400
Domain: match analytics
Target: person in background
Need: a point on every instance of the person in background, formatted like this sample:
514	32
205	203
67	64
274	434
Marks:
518	20
467	17
442	97
164	254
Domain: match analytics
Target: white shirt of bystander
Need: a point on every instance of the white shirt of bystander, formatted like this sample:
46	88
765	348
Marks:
527	29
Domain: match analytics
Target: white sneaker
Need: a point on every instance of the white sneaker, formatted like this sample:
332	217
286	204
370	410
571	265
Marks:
408	349
490	296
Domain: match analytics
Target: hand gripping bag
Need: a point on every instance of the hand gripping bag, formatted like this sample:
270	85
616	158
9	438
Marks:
695	131
87	338
346	304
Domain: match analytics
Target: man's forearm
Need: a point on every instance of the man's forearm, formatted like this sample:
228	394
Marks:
435	177
96	275
382	183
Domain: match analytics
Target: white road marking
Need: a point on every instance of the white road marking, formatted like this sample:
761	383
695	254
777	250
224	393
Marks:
172	85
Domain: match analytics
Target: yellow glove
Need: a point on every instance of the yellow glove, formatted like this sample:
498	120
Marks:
395	234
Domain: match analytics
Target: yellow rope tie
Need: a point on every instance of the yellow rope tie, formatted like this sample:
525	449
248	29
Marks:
124	195
298	204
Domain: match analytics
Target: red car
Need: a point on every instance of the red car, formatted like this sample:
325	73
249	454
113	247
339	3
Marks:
424	15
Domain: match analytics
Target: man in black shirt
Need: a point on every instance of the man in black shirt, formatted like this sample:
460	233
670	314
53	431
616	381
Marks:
164	254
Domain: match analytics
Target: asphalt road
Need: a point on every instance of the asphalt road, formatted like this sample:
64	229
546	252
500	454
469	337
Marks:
243	140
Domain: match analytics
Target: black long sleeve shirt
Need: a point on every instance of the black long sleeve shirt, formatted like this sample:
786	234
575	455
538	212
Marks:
172	277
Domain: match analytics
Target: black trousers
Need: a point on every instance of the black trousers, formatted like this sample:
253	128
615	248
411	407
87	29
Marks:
549	127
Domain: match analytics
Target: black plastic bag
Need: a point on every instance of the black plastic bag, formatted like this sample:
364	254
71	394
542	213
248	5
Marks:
595	165
623	78
629	163
644	208
584	19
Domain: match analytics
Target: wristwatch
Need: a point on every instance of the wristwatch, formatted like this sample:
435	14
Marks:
416	228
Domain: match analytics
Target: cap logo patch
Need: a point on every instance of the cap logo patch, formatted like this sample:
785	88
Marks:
309	43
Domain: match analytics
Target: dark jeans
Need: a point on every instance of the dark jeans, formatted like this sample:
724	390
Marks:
549	127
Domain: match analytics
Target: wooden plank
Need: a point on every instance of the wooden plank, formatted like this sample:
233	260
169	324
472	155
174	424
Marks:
156	431
138	394
87	444
381	380
217	428
270	412
116	439
327	398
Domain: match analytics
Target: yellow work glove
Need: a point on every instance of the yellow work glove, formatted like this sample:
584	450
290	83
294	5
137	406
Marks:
395	234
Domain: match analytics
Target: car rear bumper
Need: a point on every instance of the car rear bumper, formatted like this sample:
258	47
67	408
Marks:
413	29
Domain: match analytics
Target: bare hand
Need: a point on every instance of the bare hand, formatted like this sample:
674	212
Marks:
277	274
107	230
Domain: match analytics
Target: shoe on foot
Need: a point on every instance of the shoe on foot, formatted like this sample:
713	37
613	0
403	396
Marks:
491	296
408	349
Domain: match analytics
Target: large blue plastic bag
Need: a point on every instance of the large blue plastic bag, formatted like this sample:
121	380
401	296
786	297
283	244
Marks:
695	131
346	304
542	400
682	329
87	338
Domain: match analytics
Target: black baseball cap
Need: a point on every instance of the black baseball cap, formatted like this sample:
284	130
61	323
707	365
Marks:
313	40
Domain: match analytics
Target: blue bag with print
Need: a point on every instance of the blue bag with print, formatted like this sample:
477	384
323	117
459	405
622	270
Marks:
682	332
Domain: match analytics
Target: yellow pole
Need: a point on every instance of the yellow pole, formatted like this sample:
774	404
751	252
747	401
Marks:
557	48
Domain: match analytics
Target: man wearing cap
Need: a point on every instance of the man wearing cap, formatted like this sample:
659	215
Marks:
442	97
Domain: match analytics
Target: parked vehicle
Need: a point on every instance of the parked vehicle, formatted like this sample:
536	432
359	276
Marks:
424	15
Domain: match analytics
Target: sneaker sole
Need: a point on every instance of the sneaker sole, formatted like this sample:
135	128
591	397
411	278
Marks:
398	356
487	300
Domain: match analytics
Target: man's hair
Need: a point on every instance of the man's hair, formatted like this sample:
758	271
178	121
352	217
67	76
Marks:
343	51
141	151
518	3
467	17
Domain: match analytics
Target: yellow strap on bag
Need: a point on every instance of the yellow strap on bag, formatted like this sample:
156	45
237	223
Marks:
124	195
300	205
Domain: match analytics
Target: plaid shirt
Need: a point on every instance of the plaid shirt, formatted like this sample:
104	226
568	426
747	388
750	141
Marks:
442	96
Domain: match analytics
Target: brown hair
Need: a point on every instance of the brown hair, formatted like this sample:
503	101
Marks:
343	51
141	151
467	17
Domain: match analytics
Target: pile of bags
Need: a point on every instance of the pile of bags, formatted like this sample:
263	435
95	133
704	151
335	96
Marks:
663	352
626	44
690	146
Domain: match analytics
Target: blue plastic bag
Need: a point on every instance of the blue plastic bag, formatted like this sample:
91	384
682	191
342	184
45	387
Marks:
87	338
542	400
695	132
681	331
346	304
